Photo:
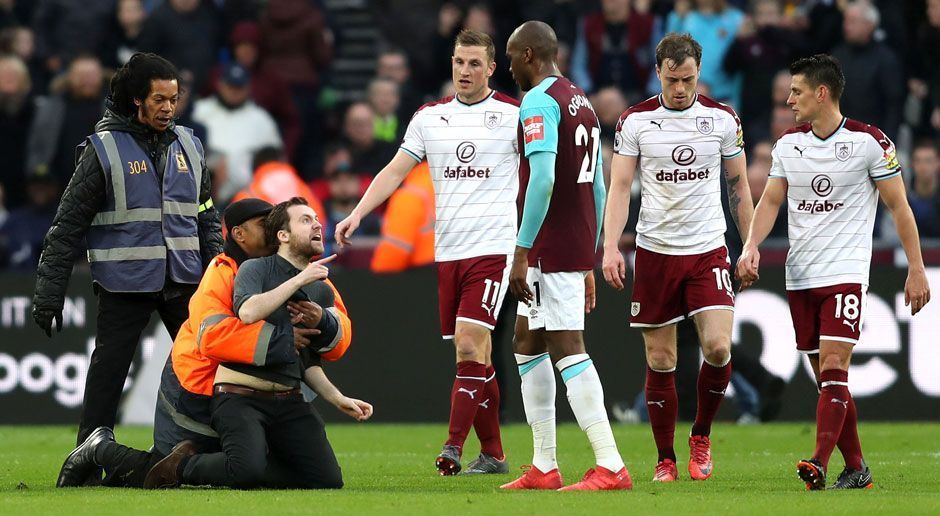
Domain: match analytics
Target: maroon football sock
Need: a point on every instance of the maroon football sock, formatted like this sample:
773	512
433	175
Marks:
486	422
834	399
712	382
662	403
465	397
848	443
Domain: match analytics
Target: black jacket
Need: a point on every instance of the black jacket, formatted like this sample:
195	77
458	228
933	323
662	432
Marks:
85	196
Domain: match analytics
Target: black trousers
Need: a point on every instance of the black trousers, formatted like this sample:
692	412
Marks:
273	443
124	466
122	317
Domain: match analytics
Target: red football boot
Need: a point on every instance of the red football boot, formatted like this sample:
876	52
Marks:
533	478
666	471
700	462
600	478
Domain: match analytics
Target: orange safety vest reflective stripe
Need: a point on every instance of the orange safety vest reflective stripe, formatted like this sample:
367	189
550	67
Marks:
214	334
408	228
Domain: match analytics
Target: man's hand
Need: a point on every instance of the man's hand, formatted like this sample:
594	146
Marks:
916	290
345	229
45	318
747	268
356	409
315	271
614	267
517	276
590	290
302	337
305	313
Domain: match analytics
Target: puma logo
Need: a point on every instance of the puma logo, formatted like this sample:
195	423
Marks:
657	124
446	119
850	324
720	393
487	308
799	150
485	403
472	393
845	404
660	404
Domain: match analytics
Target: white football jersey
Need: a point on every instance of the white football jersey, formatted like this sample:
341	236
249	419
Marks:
831	200
473	155
680	154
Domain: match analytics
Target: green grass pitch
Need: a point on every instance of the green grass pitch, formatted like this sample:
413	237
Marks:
389	469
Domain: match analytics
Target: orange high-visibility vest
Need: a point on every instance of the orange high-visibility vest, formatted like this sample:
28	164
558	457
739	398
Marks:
277	182
214	334
408	228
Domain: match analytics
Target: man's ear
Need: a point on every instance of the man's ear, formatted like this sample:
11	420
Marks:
137	102
283	236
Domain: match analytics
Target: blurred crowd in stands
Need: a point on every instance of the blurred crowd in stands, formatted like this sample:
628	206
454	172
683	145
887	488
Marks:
311	97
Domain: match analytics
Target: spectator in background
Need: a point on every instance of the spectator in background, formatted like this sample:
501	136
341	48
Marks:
268	88
609	104
762	47
344	185
19	41
368	154
781	119
122	40
926	71
384	99
297	43
17	108
714	25
393	64
64	118
66	29
758	170
185	32
22	234
276	181
874	84
924	194
408	226
613	49
477	17
184	107
237	127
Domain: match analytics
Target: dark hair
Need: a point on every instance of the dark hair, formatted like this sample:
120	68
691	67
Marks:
472	38
132	81
278	219
821	69
925	143
677	48
265	155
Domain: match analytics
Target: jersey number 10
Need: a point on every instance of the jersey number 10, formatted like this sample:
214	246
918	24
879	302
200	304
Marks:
591	141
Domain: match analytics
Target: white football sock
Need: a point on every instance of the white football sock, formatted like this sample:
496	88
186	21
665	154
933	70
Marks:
586	397
538	398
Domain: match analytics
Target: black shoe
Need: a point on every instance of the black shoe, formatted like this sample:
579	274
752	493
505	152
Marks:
771	398
448	462
165	474
854	479
813	473
487	464
80	467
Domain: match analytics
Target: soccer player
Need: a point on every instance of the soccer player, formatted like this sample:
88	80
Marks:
681	141
470	143
563	184
831	170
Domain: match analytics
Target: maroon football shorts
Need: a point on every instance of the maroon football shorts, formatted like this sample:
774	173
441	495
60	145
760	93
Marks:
471	290
826	313
669	288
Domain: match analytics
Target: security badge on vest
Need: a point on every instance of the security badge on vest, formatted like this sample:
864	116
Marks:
148	229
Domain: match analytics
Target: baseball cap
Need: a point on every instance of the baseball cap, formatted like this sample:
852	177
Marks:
236	75
240	211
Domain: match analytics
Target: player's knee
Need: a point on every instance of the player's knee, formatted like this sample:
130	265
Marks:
830	361
661	359
717	351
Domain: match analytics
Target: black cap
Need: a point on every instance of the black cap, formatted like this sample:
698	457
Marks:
238	212
236	75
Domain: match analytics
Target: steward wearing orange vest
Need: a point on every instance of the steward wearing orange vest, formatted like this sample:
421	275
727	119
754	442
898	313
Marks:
408	229
211	335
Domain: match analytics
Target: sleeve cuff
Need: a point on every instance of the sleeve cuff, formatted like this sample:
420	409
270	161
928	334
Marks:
730	156
412	154
887	176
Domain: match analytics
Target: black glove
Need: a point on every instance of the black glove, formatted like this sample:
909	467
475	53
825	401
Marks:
44	319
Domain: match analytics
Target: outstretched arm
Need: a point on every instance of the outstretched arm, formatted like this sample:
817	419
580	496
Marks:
916	289
383	186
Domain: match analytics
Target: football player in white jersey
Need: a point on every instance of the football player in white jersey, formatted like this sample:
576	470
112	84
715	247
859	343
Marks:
681	140
830	170
470	141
